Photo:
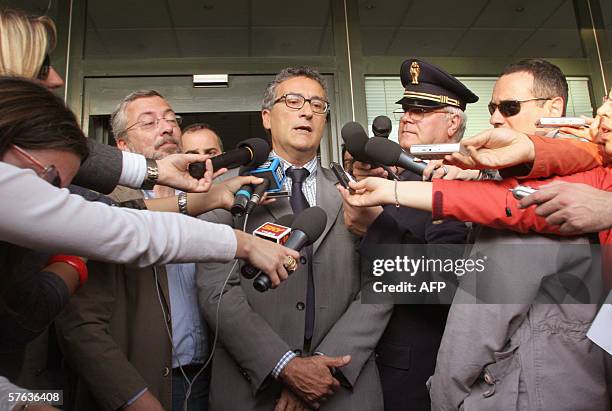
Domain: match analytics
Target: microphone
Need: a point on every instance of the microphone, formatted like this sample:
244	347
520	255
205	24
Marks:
390	153
355	140
273	175
251	152
305	230
243	195
278	232
381	126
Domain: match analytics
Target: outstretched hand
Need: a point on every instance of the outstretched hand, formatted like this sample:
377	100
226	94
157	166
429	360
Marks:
494	149
174	172
576	208
371	191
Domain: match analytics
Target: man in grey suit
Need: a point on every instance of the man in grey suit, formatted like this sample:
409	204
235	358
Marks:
310	343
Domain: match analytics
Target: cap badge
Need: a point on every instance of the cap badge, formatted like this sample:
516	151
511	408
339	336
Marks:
415	70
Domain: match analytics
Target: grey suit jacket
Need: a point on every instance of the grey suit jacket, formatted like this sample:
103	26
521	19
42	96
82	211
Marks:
256	329
102	168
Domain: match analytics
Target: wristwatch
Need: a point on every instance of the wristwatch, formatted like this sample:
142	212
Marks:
152	175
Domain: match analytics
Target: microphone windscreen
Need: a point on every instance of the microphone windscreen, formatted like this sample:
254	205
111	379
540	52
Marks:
311	222
261	150
355	139
383	151
381	126
286	220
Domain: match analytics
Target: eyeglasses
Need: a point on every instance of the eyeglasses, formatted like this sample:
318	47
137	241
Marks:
509	108
47	173
414	113
152	124
297	101
43	73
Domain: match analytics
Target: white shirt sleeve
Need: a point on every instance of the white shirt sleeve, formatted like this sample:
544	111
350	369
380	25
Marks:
133	170
7	387
36	215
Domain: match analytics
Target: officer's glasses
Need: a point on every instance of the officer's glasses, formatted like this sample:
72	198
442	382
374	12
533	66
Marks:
414	113
509	108
297	101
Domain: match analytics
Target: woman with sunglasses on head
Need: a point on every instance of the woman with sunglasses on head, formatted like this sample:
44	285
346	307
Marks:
25	46
31	40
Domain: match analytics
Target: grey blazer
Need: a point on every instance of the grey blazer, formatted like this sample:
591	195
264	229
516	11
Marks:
113	335
102	169
257	329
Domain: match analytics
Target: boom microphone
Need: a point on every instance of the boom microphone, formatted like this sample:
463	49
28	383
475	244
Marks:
381	126
385	151
305	230
251	152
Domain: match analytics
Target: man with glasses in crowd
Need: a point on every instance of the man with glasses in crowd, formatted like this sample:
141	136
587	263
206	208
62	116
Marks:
504	352
135	336
432	112
309	343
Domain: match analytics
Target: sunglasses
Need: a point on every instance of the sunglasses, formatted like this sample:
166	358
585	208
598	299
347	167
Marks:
43	73
47	173
509	108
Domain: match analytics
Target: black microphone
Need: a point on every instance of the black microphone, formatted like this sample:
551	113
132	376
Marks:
286	220
381	126
355	140
305	230
251	152
250	271
390	153
243	195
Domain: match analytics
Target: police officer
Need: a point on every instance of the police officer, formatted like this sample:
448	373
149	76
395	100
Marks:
433	107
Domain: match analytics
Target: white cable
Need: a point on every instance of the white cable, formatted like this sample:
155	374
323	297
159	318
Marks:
603	75
350	68
214	345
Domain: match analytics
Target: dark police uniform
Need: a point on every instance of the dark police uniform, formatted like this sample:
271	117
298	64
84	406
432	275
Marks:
406	353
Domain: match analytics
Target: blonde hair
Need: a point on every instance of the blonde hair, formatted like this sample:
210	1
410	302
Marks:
24	42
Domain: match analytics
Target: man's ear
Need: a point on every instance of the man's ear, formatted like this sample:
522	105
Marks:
454	123
556	106
265	118
122	145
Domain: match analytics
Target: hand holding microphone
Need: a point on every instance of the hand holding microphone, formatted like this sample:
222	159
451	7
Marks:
251	152
267	256
277	232
305	230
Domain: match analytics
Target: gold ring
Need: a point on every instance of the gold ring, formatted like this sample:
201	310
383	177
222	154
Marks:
290	264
